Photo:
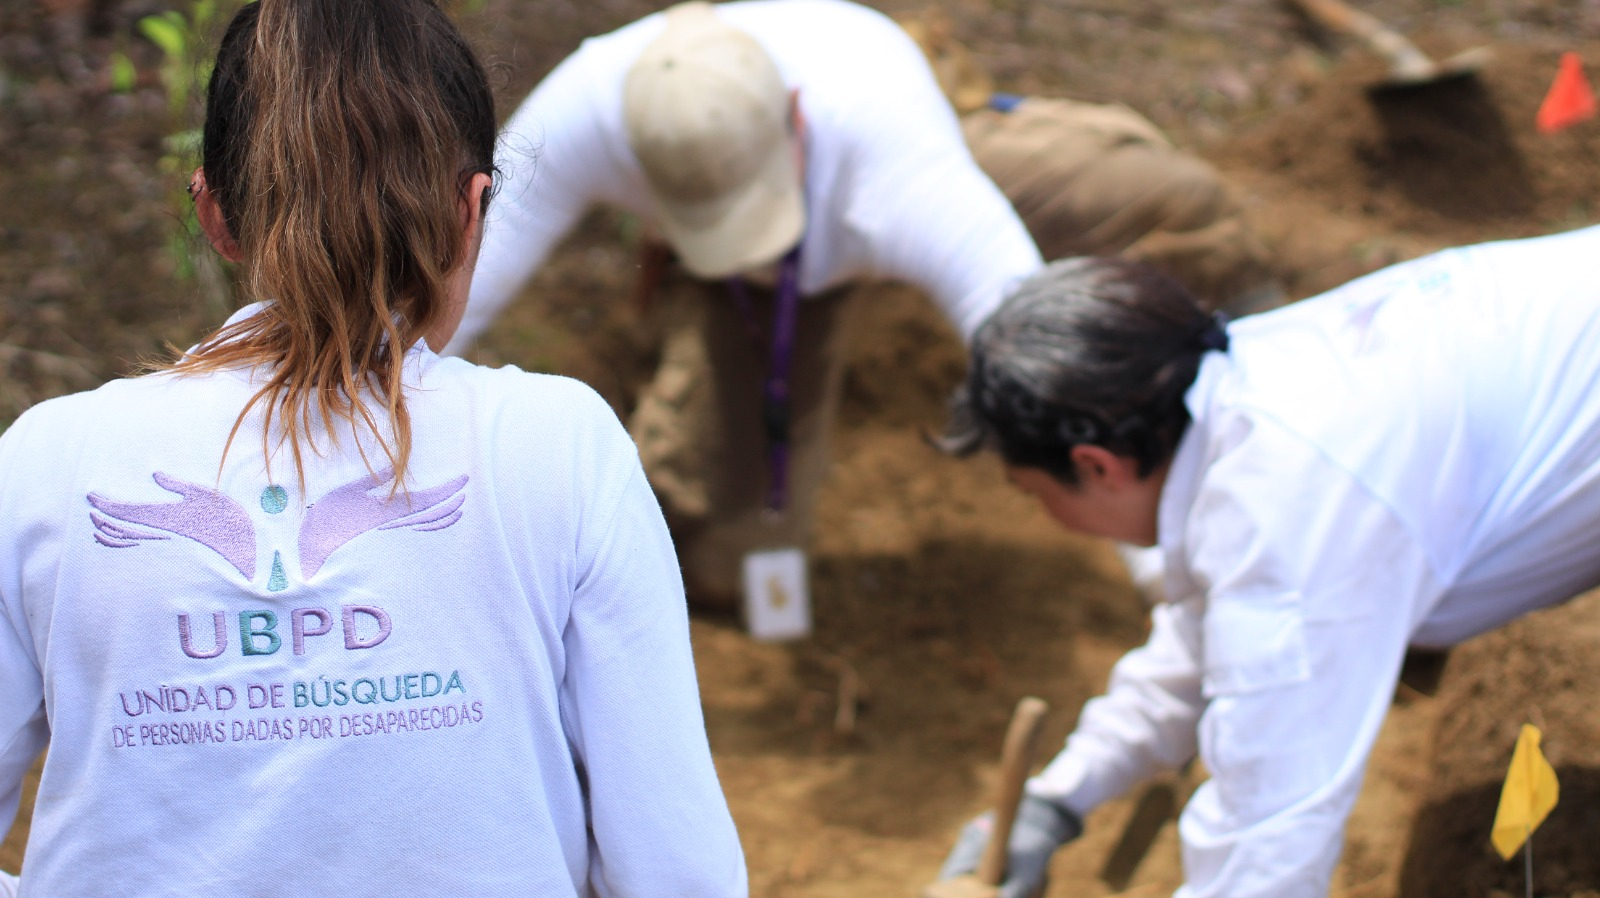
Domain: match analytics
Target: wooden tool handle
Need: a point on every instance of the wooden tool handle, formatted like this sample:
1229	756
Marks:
1336	16
1016	757
1403	56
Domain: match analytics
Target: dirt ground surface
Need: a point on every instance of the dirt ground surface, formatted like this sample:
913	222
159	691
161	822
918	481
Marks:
938	590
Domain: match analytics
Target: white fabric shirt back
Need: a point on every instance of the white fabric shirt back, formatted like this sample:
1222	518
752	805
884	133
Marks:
253	690
1460	390
891	190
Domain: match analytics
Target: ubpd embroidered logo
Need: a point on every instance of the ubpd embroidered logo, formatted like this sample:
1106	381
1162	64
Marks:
223	525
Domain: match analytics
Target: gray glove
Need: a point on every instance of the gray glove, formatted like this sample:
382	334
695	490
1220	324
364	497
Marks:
1041	827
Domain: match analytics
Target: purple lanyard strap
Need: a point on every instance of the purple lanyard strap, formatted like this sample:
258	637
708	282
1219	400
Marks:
775	416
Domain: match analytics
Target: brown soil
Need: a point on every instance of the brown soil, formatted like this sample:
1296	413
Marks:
944	593
1540	670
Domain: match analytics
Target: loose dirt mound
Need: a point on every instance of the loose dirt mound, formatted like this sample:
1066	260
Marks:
1406	170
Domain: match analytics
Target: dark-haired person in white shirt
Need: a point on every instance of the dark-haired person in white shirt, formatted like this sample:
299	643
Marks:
1408	460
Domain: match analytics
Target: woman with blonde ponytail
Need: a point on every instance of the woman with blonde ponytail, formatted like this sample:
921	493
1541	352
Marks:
317	611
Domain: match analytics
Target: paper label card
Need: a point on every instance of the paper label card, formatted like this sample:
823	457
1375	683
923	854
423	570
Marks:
777	600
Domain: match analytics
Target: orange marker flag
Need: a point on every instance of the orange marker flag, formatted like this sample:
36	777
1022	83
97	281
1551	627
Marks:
1529	794
1570	99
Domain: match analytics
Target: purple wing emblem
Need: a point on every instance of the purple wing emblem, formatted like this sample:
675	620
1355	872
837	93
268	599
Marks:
348	512
203	515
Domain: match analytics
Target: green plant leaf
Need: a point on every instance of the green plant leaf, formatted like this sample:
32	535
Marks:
123	74
166	31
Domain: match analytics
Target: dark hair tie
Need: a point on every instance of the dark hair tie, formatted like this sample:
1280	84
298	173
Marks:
1215	336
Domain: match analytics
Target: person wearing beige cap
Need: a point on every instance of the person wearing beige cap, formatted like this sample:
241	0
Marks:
711	122
784	150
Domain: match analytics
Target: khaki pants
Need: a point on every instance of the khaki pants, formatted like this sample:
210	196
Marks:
699	427
1093	179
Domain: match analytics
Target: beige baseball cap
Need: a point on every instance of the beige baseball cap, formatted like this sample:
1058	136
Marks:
708	119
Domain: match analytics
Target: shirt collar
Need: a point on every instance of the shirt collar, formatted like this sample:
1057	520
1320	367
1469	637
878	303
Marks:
1187	471
419	353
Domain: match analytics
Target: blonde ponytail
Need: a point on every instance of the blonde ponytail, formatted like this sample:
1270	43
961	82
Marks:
339	141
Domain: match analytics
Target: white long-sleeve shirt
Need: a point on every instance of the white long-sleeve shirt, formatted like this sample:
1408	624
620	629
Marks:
481	687
891	190
1413	458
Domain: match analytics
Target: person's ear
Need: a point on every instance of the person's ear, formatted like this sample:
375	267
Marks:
475	203
1100	466
212	222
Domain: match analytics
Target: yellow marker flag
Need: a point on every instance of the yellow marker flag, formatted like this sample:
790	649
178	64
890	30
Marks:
1529	794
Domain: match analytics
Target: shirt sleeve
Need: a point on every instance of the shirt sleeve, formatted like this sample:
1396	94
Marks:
556	159
930	214
1279	671
23	728
1311	589
23	731
1145	723
659	820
